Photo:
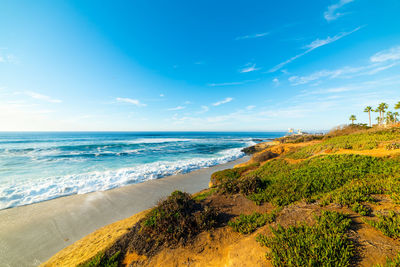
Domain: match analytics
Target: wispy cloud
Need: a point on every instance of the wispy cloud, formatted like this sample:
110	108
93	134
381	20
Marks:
177	108
314	45
249	67
42	97
252	36
130	101
332	12
378	63
276	81
226	100
250	107
387	55
9	58
204	109
231	83
225	84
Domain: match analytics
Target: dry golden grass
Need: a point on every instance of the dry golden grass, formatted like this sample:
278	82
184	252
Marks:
87	247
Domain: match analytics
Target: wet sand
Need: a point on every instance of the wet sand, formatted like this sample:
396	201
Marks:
29	235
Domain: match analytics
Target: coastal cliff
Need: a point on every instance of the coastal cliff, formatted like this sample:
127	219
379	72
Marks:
330	200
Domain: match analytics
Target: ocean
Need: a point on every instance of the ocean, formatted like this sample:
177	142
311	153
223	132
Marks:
37	166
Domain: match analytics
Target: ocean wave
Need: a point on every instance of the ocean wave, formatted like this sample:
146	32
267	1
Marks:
14	194
159	140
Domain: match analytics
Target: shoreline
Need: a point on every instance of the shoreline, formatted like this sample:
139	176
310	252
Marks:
31	234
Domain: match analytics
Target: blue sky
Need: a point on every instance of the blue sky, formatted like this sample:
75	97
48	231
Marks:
195	65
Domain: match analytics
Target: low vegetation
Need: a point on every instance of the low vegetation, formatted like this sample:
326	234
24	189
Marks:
309	180
178	218
395	262
323	244
232	181
101	260
294	139
246	224
393	146
363	140
231	174
388	224
348	179
346	130
204	195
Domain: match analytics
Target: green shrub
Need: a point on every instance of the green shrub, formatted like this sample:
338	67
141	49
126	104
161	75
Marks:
294	139
395	197
231	181
264	156
346	130
323	244
246	224
388	224
361	209
353	193
231	174
101	260
178	217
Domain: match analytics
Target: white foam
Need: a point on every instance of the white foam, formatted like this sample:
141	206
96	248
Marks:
157	140
37	190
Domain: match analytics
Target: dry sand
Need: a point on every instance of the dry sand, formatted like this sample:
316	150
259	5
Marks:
29	235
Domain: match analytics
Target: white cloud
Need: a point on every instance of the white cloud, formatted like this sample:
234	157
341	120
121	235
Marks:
332	12
42	97
314	45
248	68
252	36
375	66
9	58
225	84
161	95
339	89
318	43
250	107
275	81
130	101
204	109
226	100
379	69
177	108
386	55
231	83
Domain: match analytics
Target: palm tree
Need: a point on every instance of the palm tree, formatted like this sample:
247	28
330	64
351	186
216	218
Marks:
397	106
389	117
369	109
353	118
395	114
378	119
382	109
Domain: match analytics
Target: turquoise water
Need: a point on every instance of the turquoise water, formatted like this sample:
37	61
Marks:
39	166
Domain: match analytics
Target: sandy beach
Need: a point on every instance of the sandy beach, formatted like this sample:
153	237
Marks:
29	235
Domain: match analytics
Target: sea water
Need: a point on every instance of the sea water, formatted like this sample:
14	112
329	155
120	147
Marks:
40	166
